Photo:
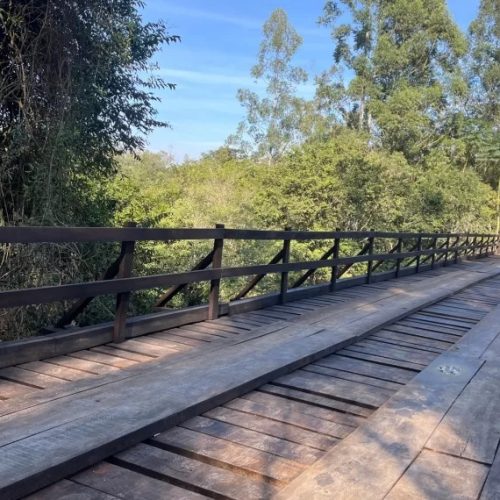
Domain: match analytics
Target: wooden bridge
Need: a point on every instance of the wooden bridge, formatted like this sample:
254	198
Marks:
380	384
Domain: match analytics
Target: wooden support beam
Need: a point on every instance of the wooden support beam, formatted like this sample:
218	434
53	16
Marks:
256	280
369	264
79	306
284	274
173	291
213	301
336	250
122	299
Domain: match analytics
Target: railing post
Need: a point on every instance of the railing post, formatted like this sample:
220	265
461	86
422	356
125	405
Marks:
433	256
213	299
398	260
284	274
123	299
446	253
335	267
472	251
369	266
419	249
456	245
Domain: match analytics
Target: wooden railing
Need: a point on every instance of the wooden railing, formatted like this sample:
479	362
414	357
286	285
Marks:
429	248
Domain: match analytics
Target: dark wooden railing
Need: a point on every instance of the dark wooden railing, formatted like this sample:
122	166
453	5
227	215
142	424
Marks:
117	280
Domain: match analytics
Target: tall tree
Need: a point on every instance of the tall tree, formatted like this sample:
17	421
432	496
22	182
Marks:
272	123
73	95
403	57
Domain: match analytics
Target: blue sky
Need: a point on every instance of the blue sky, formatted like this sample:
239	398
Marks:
220	41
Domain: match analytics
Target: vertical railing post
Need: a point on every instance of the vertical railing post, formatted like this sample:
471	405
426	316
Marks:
447	246
472	251
433	256
369	266
123	299
284	274
213	299
456	245
398	260
335	267
419	249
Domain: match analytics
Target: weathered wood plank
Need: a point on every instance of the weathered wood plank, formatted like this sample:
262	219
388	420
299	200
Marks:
70	490
440	477
353	377
292	418
220	451
320	401
289	405
471	428
298	453
368	396
370	461
199	474
390	373
125	483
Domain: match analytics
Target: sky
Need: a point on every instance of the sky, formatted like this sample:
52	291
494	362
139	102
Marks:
220	42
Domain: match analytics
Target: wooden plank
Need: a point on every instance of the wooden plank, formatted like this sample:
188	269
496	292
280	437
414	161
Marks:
392	374
298	453
53	372
356	354
419	332
201	475
105	359
491	489
370	461
296	419
386	350
69	490
167	345
178	339
219	451
151	351
29	378
10	389
353	377
407	339
120	354
347	391
124	483
83	365
317	400
289	405
471	428
191	333
422	325
438	476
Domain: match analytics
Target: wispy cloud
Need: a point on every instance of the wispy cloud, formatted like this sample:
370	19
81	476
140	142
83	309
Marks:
241	22
206	78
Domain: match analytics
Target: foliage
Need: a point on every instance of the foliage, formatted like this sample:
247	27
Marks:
72	97
273	122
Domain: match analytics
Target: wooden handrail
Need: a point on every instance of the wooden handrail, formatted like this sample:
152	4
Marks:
123	285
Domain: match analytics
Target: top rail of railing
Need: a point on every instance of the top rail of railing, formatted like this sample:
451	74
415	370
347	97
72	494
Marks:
50	234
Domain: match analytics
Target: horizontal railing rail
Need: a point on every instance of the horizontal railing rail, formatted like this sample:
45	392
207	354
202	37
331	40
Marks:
118	280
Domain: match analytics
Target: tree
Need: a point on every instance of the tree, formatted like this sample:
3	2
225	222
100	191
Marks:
403	56
72	97
272	123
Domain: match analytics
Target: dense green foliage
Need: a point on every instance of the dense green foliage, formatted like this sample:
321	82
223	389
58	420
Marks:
402	134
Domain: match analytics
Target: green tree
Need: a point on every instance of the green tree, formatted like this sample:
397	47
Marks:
73	95
403	56
272	123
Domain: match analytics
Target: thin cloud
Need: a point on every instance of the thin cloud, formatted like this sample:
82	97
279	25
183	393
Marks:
241	22
207	78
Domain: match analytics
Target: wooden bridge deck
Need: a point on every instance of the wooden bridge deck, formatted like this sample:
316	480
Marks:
274	402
